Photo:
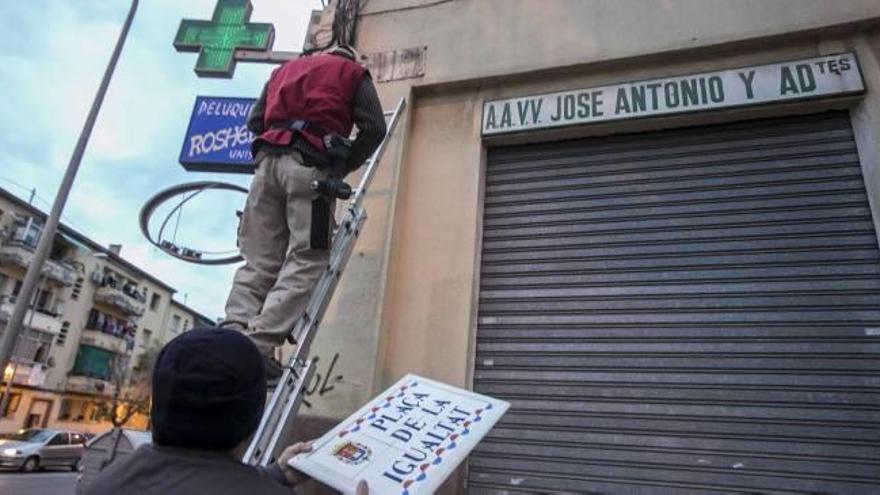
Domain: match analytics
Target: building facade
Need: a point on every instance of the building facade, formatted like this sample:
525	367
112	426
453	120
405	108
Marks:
95	319
649	225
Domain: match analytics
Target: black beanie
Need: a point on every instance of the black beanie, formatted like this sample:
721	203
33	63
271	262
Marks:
209	386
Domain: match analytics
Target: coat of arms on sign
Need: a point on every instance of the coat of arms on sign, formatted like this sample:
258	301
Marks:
352	453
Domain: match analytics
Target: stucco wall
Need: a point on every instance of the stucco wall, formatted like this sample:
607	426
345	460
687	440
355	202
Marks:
470	39
436	227
866	120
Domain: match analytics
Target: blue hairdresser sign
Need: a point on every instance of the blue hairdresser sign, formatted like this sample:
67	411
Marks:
217	139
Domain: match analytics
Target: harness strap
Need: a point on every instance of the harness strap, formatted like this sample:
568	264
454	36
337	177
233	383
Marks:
301	125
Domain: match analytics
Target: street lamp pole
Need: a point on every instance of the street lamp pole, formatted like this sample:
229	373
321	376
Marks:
14	326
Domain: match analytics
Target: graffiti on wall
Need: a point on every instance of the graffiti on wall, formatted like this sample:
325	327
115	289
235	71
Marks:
323	381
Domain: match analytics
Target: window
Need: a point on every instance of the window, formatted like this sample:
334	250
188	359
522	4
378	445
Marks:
77	288
59	439
27	231
41	353
175	323
77	411
155	301
111	279
62	334
12	406
17	288
59	249
147	337
92	362
64	410
77	439
95	321
43	301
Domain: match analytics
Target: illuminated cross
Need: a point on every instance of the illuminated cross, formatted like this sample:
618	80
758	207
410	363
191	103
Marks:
218	40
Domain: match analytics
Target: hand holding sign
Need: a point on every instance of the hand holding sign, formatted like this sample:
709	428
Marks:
293	476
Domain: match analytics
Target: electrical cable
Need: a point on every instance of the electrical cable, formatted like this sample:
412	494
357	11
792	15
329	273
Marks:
344	25
66	219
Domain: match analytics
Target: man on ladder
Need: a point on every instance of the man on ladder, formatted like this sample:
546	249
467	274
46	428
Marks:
305	113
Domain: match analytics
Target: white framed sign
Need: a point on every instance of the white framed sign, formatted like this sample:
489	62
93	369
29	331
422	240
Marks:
406	441
832	75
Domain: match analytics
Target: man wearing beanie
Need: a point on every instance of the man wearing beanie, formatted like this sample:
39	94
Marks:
209	386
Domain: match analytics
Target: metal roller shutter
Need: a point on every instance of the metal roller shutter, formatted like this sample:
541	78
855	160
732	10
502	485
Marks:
686	311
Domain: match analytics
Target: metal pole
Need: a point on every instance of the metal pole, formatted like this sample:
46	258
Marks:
13	327
270	57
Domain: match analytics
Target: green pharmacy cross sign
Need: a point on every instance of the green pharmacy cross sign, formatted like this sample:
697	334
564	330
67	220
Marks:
218	40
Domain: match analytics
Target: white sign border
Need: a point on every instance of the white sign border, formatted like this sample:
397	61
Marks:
305	463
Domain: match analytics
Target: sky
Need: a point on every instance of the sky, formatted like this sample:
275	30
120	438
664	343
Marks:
52	57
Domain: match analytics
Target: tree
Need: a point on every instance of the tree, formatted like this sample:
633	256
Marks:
131	388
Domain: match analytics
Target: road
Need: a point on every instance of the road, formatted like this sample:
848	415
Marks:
43	483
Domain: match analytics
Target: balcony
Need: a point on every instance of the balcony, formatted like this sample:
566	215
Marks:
118	299
21	253
106	341
88	385
40	320
27	373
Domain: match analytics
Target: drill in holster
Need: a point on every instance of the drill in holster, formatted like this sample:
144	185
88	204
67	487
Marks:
337	151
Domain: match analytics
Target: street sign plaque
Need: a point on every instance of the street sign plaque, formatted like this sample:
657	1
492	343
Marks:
218	40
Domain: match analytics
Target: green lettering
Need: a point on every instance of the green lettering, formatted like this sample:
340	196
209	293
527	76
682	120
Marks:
583	105
596	96
806	78
622	105
703	93
747	81
716	89
654	100
788	84
670	90
505	116
689	93
639	101
522	109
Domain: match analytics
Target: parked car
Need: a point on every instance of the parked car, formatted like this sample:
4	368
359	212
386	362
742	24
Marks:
32	449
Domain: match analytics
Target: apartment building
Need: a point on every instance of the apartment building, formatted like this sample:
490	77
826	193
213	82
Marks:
95	315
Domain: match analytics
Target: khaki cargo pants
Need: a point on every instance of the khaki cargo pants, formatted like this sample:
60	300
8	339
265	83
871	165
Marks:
271	290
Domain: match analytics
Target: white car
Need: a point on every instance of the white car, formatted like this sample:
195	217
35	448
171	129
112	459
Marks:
33	449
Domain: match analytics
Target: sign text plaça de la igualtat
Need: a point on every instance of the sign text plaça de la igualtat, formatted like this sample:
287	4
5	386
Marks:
421	433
